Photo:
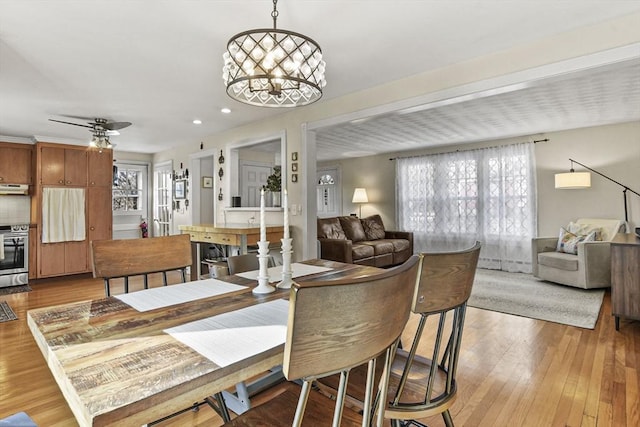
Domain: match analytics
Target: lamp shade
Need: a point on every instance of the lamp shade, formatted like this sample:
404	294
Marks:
360	196
573	180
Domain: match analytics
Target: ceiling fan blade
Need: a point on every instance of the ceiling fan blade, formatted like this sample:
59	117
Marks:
116	125
69	123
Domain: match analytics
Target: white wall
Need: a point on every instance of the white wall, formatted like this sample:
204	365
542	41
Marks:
612	150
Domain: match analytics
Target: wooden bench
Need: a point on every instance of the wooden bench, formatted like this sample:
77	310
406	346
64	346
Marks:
114	259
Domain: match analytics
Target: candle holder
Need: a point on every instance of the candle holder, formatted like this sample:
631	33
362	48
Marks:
286	264
263	274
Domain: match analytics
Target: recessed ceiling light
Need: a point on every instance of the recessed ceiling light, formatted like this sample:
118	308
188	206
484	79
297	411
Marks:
225	110
197	122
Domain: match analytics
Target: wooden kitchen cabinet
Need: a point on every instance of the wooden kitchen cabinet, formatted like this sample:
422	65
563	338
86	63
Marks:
16	163
100	167
62	166
625	277
33	252
57	259
99	214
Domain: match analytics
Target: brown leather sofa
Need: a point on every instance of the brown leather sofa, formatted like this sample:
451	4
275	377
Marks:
363	241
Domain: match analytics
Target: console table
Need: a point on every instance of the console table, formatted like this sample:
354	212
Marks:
625	277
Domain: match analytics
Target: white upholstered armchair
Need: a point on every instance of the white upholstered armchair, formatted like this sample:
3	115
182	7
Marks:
585	260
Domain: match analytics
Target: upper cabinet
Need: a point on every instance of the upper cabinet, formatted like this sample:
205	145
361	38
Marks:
100	168
16	163
63	166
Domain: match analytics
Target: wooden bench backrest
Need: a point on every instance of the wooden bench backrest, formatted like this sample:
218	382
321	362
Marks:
130	257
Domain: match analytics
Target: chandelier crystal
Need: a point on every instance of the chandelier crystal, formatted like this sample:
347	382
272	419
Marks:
273	68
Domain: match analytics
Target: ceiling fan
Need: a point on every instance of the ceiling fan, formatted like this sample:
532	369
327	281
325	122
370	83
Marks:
101	129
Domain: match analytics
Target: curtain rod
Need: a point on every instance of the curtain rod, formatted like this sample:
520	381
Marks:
470	149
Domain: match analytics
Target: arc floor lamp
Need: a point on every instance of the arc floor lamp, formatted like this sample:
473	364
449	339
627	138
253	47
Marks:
574	180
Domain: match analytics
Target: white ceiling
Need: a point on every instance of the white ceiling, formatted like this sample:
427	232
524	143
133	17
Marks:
158	65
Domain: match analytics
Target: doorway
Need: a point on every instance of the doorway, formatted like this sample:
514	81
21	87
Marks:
328	192
162	208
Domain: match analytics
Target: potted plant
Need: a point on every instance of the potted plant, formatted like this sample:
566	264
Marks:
274	185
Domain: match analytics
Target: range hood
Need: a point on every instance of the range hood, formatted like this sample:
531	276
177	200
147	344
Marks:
19	189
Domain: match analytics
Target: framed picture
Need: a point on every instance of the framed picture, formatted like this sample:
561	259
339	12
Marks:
179	189
294	156
207	182
294	167
294	177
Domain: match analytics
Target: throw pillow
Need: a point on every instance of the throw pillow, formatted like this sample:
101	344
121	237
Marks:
568	241
373	227
352	228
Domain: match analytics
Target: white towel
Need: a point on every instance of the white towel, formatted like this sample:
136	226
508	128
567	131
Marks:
63	217
1	246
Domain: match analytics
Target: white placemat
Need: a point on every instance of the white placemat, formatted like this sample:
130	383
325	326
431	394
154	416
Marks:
275	273
237	335
151	299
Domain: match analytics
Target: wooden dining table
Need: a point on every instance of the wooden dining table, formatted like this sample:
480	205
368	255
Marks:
116	365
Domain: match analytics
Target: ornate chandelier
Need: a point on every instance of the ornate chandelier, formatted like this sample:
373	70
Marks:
273	68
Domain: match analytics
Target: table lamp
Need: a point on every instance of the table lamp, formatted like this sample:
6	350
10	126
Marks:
360	196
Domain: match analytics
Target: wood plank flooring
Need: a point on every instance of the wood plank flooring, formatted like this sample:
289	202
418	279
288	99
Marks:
514	371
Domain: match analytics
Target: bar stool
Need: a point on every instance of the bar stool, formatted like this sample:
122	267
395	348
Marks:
422	387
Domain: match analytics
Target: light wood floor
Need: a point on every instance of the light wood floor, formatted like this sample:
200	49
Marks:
514	371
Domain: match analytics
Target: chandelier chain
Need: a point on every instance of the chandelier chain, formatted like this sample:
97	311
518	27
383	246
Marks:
274	14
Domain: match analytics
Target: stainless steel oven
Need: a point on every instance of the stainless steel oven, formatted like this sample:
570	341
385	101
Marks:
14	256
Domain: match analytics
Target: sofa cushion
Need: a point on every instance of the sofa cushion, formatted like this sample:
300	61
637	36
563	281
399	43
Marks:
568	241
373	227
558	260
399	244
352	228
330	228
360	251
380	246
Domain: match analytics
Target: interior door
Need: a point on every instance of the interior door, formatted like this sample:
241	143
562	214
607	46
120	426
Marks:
252	177
162	209
328	192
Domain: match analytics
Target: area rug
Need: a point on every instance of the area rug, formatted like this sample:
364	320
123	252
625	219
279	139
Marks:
6	313
524	295
14	289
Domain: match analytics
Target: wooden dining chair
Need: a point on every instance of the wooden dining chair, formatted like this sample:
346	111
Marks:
425	386
242	263
334	326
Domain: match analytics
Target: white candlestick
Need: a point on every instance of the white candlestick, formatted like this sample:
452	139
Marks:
286	214
263	227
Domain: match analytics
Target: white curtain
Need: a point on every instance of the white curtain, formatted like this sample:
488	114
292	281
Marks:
451	200
63	218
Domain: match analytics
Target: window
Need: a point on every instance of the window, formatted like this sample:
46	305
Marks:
128	190
450	200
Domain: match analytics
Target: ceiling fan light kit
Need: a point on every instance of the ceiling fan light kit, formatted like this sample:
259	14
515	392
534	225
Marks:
101	129
273	68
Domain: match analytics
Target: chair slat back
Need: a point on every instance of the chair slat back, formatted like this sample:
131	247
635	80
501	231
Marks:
339	324
130	257
446	280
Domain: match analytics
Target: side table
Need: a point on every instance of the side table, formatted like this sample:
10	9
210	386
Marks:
625	277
